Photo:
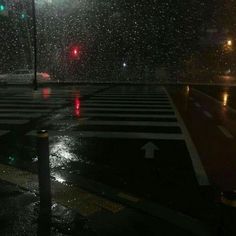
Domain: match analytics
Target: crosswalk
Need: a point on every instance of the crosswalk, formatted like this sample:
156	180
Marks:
123	113
19	106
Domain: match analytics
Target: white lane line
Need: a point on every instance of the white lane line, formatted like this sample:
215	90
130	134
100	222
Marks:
199	170
13	122
128	115
87	104
225	132
13	110
124	123
3	132
129	102
18	115
215	100
197	105
125	109
122	135
208	114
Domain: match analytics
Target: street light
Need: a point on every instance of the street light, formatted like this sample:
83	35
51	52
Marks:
229	42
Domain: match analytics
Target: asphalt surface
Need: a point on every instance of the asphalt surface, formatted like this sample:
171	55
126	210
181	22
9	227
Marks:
209	115
127	144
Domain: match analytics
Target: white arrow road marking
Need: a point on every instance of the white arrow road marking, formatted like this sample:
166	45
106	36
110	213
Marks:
150	150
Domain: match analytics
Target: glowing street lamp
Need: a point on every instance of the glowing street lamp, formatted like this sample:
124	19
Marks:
229	43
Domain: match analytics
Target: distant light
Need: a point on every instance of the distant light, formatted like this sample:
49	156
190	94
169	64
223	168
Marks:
23	16
77	106
75	52
229	42
225	98
46	93
188	89
2	7
124	64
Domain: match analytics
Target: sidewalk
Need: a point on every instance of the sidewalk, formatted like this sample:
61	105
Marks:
19	211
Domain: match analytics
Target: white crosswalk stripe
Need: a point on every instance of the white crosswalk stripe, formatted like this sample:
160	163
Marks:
19	106
124	115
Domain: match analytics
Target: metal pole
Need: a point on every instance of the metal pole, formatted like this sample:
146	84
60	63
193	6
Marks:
35	83
44	171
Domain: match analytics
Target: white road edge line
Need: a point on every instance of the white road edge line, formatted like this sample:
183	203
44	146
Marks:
208	114
3	132
225	132
214	99
199	170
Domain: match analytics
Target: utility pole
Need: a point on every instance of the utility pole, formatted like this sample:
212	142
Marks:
35	83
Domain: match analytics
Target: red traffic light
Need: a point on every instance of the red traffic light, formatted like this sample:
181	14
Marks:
75	52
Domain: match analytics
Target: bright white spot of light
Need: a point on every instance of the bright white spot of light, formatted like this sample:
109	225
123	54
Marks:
59	179
225	98
124	64
229	42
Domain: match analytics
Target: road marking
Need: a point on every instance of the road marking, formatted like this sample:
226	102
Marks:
129	100
3	132
87	104
197	105
117	98
199	170
150	149
2	101
130	96
128	115
208	114
126	123
215	100
18	115
26	110
69	196
109	101
126	109
122	135
30	105
128	197
13	122
225	132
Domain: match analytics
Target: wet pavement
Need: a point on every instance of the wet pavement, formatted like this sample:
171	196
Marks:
113	145
210	117
224	94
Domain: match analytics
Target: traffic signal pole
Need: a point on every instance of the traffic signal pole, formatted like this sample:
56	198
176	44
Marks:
35	83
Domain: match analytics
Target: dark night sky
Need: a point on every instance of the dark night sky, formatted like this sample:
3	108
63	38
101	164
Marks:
150	31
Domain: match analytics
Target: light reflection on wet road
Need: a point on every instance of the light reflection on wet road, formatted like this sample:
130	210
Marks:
118	161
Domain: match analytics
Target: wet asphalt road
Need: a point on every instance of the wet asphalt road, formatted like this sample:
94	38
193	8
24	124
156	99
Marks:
123	138
224	94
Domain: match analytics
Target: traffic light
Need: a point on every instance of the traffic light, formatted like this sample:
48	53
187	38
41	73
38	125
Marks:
75	52
2	6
